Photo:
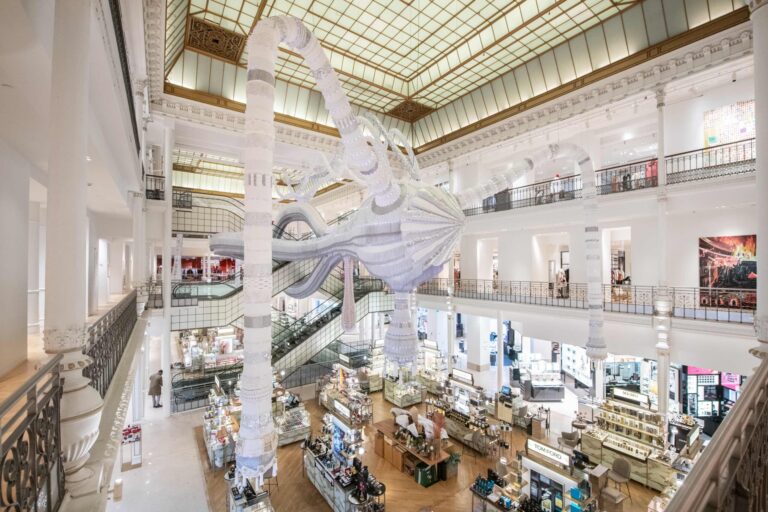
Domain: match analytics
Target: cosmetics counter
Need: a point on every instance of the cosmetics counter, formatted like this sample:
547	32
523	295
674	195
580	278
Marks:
539	474
402	393
433	368
331	463
625	427
292	420
342	396
466	422
542	386
221	424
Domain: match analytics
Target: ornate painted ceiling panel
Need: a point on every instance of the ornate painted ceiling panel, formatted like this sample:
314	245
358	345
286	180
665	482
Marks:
428	67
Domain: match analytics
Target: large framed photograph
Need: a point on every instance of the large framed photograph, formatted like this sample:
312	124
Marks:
728	271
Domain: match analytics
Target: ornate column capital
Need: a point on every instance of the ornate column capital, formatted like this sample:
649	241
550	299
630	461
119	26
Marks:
661	96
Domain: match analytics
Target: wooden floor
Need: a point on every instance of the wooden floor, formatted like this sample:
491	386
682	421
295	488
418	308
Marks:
297	494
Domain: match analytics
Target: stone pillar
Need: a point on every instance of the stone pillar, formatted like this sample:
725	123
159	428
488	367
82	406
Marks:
165	349
662	300
33	269
477	344
14	227
139	396
116	266
759	16
499	350
139	238
597	350
66	301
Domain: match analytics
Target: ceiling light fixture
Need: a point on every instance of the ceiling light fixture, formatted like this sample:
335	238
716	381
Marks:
88	158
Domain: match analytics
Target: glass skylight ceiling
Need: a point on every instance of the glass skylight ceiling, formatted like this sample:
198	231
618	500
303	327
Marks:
467	59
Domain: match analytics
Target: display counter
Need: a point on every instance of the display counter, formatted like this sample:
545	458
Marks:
402	394
649	466
370	380
221	425
352	406
542	387
292	424
248	500
399	448
211	347
432	381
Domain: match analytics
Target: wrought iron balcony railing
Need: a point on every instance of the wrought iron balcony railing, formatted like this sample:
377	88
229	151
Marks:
31	470
715	304
107	339
713	162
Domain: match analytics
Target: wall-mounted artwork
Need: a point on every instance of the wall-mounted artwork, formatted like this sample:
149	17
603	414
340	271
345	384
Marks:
728	263
729	123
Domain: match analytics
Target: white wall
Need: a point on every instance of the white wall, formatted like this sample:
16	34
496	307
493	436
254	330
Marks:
102	272
684	121
117	265
14	227
485	249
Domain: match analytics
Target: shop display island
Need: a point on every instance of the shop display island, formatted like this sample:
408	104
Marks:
542	387
291	419
402	394
331	464
426	461
248	500
341	395
649	466
433	368
220	428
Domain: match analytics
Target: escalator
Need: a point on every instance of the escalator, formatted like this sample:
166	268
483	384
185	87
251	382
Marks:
200	305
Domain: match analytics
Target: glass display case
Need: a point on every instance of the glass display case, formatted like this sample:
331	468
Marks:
403	394
433	368
292	420
340	393
221	425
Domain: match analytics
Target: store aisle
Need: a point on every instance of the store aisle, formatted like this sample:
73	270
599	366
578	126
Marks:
171	475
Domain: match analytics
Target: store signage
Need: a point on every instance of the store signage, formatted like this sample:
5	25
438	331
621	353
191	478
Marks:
730	380
463	376
632	396
343	409
695	370
548	453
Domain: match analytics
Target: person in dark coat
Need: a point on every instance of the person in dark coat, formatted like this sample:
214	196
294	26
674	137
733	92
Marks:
155	388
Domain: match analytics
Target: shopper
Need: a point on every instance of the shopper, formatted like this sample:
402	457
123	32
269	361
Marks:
155	388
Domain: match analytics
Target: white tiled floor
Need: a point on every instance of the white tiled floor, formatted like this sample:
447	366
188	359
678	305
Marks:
171	475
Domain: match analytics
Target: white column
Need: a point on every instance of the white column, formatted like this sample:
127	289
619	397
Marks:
165	349
116	266
65	303
139	397
597	350
41	275
92	260
476	343
760	47
14	227
33	269
662	302
139	238
499	350
102	273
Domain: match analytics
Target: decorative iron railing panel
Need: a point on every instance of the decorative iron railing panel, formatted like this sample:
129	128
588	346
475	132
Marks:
107	339
701	164
715	304
31	470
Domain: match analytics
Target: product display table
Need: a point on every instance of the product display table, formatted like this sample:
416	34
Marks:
396	452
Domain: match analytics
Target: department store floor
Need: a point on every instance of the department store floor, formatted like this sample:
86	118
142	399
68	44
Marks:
176	475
